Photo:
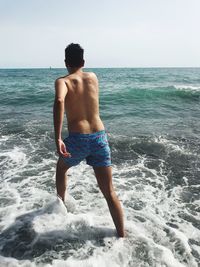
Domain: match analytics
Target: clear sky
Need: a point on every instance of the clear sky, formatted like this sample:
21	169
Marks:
114	33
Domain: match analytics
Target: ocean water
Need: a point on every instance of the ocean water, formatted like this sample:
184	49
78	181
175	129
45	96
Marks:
152	120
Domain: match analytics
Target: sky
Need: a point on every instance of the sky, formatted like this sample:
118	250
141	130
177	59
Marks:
114	33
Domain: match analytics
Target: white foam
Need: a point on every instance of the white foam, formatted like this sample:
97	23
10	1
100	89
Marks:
172	146
16	155
3	139
11	262
86	218
187	87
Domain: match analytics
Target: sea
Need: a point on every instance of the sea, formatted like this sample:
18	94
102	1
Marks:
152	118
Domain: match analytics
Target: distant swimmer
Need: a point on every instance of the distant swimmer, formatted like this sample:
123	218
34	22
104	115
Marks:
77	94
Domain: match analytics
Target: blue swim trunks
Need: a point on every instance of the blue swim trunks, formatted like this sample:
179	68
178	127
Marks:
93	147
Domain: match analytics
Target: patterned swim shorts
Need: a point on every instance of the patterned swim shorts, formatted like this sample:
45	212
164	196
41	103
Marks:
93	147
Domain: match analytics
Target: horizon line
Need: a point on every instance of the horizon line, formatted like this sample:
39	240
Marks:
50	67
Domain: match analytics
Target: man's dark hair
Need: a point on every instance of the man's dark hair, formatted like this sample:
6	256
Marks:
74	55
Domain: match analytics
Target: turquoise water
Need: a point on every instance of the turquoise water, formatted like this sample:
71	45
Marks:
152	119
162	99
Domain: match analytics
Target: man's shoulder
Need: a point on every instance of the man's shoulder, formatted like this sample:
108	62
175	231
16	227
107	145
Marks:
61	79
91	75
61	82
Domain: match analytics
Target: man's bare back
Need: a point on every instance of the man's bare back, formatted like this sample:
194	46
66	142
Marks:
82	102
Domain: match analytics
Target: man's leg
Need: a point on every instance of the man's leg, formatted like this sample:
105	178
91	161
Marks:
104	179
61	178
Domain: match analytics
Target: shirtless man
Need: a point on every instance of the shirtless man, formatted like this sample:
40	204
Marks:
77	95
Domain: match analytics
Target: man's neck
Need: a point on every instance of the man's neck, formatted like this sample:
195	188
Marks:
74	70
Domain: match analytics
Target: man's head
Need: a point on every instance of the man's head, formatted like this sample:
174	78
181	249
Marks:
74	56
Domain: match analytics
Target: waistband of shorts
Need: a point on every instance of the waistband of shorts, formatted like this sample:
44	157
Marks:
87	135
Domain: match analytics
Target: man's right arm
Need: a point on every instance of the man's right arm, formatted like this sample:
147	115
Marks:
58	114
